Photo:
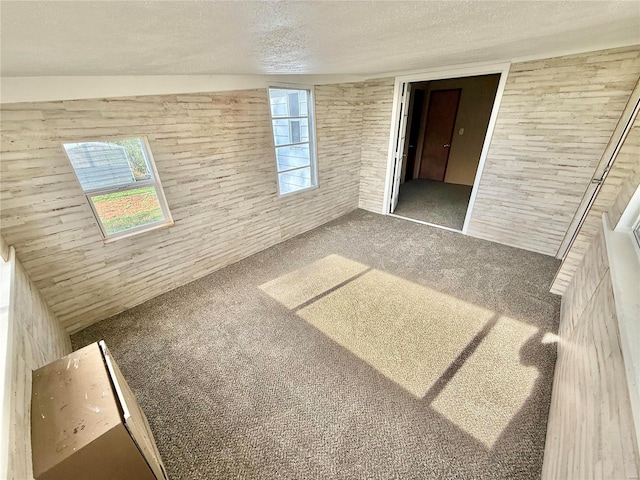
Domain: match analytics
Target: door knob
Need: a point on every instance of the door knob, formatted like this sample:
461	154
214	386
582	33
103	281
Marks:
446	145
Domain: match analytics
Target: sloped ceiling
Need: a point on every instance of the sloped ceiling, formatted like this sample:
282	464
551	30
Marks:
324	37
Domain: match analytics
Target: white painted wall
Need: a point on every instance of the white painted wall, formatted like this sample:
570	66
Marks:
40	89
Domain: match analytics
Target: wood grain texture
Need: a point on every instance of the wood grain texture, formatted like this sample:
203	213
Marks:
588	276
376	125
555	120
590	429
37	339
214	154
614	195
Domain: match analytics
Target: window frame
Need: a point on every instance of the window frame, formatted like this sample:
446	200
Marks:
629	221
311	119
152	182
623	254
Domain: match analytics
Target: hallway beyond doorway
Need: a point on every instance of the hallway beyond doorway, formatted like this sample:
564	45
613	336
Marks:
434	202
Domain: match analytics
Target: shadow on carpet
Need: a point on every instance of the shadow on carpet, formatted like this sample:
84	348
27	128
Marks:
370	347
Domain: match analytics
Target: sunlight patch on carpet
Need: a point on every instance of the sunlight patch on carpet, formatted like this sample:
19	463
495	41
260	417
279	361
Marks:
406	331
492	385
306	283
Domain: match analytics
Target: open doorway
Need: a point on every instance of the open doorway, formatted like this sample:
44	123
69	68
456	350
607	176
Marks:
442	129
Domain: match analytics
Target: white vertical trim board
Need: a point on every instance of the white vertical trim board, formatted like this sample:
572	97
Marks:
398	92
7	292
485	146
624	268
442	74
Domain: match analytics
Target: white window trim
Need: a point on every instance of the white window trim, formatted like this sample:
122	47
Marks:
623	253
161	224
630	219
312	135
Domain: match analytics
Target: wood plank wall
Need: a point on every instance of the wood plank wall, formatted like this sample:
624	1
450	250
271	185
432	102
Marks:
378	102
615	193
216	162
590	431
37	338
555	120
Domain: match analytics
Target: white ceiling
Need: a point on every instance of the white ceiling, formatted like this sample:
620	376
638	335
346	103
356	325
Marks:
286	37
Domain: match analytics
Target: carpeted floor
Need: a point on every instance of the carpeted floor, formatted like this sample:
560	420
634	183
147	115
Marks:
368	348
439	203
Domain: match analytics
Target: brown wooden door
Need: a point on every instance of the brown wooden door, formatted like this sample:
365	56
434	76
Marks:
441	120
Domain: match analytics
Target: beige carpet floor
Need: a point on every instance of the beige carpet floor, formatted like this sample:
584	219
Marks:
368	348
434	202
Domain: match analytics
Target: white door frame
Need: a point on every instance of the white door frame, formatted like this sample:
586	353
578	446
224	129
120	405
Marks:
399	153
441	74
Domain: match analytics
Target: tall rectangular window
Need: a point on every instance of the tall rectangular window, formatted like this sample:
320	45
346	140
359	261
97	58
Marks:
292	121
120	182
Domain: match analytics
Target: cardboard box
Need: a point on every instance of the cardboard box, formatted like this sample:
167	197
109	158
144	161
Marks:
86	424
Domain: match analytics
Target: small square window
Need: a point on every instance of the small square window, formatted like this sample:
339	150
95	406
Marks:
120	182
292	122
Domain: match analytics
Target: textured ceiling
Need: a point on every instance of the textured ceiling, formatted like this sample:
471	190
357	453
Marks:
372	37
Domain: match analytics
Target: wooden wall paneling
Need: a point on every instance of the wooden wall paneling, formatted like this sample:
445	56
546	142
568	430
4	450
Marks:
623	177
376	125
590	428
37	339
588	276
590	432
555	120
214	154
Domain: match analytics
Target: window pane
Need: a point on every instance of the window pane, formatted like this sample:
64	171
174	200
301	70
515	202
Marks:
108	164
294	104
290	131
278	100
295	131
295	180
128	209
302	103
292	156
137	156
286	102
281	132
